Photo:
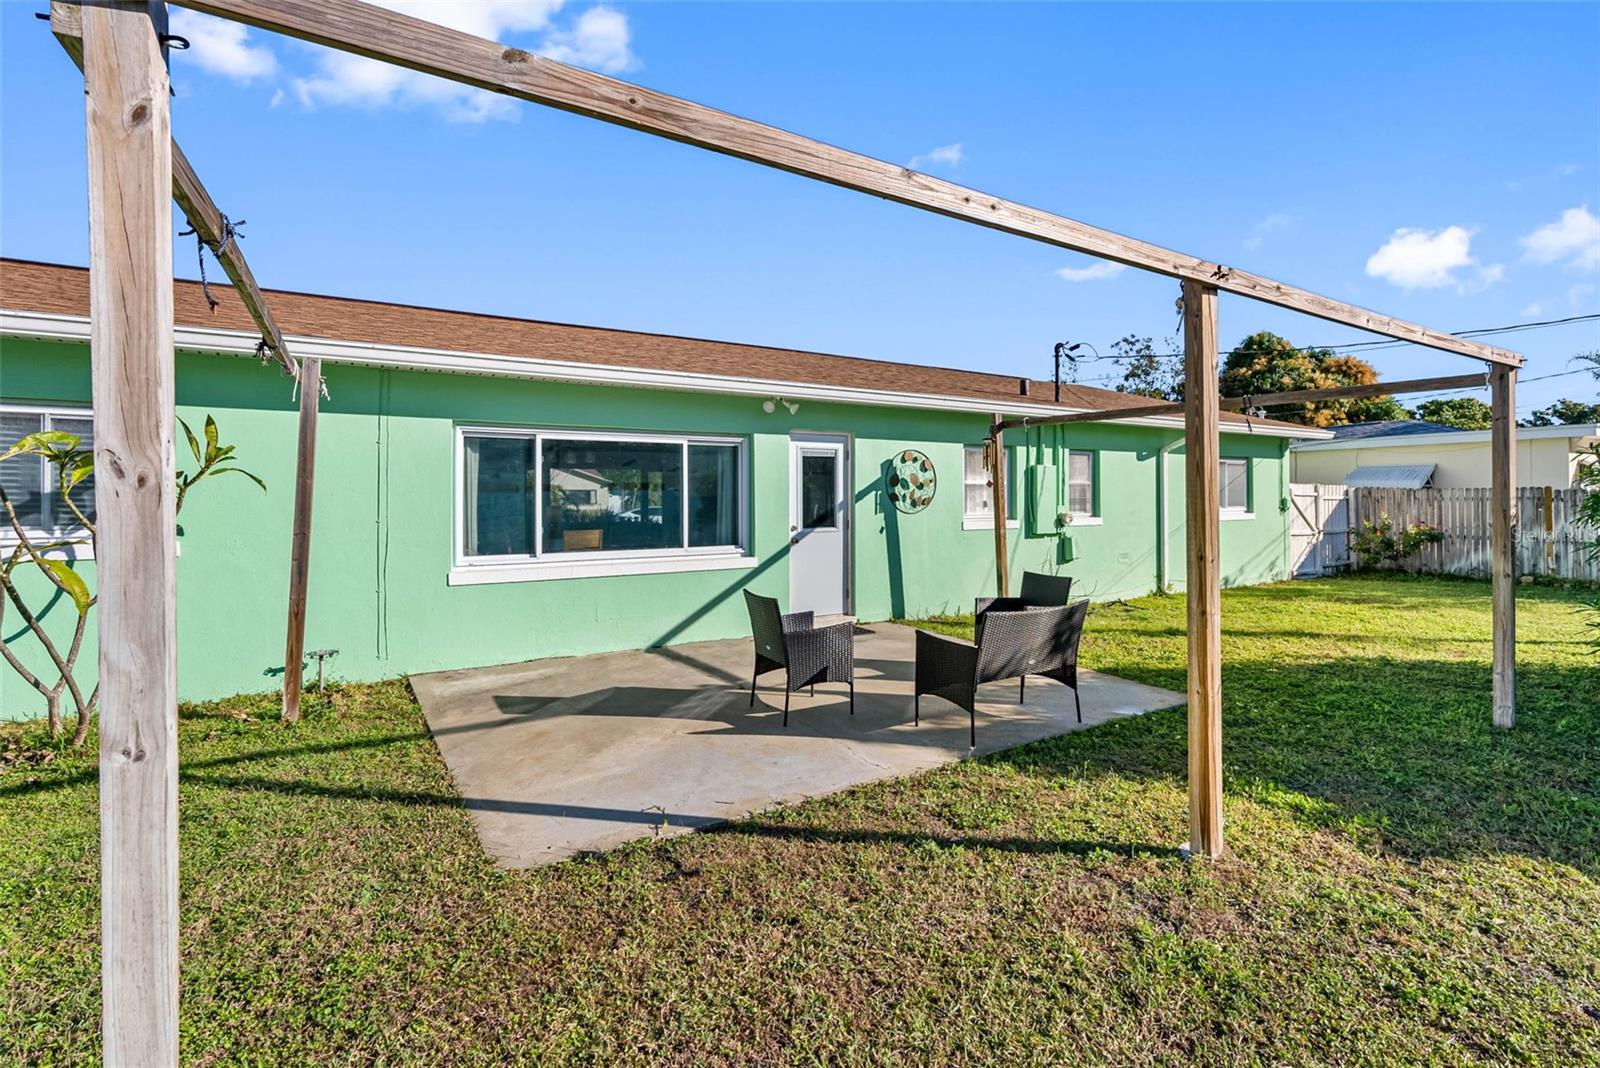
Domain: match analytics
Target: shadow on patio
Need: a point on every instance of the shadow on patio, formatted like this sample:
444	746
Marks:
579	754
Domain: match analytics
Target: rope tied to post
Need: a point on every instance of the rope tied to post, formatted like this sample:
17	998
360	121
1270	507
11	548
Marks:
230	231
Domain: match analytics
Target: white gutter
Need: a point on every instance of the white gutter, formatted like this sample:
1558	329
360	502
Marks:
49	326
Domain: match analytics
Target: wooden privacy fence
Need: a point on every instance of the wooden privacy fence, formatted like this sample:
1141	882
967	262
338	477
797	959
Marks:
1549	541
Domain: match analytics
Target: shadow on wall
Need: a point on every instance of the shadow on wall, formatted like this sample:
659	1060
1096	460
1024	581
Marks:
891	537
746	578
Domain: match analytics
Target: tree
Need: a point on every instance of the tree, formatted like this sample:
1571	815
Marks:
1565	412
1592	359
1267	363
72	466
1144	372
1465	413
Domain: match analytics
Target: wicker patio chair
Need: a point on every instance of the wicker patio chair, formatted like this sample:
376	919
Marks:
1033	641
1038	591
806	653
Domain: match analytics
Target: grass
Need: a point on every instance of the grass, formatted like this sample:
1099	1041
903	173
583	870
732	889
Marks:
1404	885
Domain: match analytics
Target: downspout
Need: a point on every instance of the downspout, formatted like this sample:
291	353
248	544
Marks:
1161	512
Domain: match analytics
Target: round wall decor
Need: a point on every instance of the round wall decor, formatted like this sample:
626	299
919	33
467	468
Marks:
911	481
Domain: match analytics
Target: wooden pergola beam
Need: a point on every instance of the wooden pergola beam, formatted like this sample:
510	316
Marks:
425	46
66	22
997	483
1503	541
294	652
1202	451
130	321
1261	400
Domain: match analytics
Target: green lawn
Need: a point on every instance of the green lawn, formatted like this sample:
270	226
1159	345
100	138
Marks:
1403	884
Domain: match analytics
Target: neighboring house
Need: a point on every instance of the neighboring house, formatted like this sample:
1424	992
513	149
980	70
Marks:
1410	453
491	489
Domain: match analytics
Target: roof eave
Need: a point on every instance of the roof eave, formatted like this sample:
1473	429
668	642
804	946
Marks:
53	326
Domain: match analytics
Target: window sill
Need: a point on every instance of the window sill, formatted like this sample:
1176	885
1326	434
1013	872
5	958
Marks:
64	552
545	570
1232	516
983	522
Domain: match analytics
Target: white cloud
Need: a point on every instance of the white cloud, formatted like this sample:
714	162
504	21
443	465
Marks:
1261	230
1095	272
1573	238
944	156
598	39
1578	295
221	46
357	81
1486	276
1428	259
1535	308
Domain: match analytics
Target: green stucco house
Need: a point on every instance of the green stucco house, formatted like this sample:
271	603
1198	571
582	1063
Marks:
492	490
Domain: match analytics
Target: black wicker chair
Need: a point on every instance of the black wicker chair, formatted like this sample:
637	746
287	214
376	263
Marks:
1033	641
806	653
1038	591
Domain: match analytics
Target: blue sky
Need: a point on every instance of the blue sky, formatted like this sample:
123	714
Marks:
1436	162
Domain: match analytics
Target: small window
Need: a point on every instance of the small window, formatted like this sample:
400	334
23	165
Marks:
1233	485
1080	483
31	481
978	491
714	505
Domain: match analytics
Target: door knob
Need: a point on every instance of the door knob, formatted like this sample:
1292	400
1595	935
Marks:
794	540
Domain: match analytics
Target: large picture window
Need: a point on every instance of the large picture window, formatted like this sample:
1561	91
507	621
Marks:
564	495
30	481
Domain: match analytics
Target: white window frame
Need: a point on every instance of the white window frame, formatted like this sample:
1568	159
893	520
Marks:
1245	511
1093	514
983	520
467	570
8	537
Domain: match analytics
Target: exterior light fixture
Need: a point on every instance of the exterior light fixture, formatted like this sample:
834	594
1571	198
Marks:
769	406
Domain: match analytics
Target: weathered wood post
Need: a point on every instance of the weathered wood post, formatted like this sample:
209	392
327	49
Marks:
1503	539
1202	452
294	653
997	479
130	301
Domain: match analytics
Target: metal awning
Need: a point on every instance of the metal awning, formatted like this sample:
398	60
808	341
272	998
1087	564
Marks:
1397	476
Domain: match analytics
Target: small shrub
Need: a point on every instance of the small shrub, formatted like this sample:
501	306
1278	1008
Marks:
1377	543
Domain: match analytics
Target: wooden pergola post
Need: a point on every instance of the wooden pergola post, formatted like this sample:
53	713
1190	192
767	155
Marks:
130	296
1202	452
1503	547
997	480
294	653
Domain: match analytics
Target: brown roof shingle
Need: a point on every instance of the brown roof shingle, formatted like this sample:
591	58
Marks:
54	288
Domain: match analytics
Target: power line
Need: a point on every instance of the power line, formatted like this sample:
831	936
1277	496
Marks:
1382	343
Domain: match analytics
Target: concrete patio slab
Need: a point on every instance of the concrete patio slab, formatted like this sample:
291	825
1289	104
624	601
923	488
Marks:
572	755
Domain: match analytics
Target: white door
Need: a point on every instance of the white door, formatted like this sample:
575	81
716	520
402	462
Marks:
819	521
